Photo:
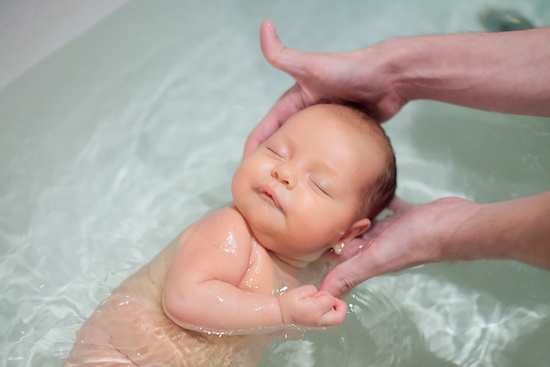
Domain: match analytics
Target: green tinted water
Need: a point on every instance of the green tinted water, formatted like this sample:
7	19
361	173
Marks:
115	143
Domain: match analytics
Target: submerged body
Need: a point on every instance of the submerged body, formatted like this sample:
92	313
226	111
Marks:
131	327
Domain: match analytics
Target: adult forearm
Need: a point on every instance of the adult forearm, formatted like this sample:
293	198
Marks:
503	72
516	229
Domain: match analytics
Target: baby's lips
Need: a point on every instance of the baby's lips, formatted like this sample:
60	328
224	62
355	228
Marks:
271	194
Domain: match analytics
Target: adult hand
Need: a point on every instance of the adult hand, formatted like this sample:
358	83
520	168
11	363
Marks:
361	78
504	72
449	229
413	235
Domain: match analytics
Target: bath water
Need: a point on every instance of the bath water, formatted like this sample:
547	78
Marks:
115	143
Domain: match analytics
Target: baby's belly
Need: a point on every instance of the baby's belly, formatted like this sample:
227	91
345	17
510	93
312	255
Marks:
134	328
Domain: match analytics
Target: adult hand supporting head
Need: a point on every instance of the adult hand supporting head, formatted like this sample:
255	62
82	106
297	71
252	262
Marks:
362	78
503	72
413	235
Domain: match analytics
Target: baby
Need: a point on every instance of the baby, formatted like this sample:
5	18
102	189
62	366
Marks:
243	274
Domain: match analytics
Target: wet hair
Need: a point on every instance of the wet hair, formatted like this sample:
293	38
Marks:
376	196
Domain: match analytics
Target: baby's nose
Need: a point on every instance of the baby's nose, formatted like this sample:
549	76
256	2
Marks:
284	175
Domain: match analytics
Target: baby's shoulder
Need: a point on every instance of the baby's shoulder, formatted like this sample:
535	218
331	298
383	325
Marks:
221	227
223	220
228	213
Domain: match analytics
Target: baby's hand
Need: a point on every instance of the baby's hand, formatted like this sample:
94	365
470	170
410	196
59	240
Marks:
306	306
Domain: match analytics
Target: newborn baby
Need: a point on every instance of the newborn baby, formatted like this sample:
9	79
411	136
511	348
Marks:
244	274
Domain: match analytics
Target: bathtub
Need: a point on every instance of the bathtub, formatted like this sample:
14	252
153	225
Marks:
113	144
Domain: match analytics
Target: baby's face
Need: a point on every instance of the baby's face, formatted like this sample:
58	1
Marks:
301	190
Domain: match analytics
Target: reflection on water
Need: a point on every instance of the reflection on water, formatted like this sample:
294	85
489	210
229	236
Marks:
117	142
417	318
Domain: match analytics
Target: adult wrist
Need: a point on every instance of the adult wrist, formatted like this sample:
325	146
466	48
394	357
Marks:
402	60
464	231
426	67
482	231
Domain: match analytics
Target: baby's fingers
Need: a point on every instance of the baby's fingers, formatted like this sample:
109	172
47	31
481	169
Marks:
305	292
333	310
306	306
336	315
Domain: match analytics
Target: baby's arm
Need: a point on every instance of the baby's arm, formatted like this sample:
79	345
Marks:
201	290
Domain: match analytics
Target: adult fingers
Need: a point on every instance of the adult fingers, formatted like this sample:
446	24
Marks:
397	205
344	277
393	250
277	54
297	64
300	65
289	103
339	282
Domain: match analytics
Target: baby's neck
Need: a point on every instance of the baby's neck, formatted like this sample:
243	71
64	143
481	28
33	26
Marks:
294	263
302	272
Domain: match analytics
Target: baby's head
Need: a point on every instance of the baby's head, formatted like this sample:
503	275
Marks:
316	183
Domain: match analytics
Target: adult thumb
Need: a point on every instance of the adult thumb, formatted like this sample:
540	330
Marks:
278	55
343	278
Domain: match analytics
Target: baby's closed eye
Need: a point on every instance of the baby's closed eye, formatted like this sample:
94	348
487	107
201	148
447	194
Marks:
277	152
319	184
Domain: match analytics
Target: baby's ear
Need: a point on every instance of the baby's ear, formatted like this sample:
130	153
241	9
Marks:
355	230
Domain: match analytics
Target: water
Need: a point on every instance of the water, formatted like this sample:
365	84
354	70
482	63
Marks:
118	141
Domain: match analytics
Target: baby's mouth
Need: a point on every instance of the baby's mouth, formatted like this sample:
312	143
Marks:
268	193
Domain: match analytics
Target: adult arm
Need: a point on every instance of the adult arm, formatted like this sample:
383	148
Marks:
504	72
449	229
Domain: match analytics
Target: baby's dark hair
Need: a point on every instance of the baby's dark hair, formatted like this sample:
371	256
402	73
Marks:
377	196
